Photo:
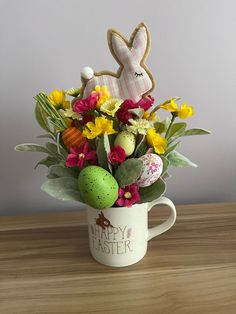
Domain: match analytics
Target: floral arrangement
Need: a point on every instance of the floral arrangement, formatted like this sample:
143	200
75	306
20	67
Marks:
105	151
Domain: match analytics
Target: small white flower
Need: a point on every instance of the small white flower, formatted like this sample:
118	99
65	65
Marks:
138	126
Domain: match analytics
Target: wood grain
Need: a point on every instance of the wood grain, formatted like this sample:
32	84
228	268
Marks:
45	266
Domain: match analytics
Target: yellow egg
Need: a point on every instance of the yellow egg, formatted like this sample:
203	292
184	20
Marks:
126	140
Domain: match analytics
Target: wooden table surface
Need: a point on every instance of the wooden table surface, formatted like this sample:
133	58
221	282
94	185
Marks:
45	266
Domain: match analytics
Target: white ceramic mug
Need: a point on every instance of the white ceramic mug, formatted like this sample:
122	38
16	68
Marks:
118	236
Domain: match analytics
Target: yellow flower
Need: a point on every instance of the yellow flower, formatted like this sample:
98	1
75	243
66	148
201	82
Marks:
101	126
183	112
156	141
104	94
147	116
58	99
111	106
138	126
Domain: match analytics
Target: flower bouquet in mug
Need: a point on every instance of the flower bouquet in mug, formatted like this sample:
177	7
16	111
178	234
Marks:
107	147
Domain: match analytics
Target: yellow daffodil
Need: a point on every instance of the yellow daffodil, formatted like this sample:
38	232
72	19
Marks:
103	93
183	112
147	116
111	106
138	126
155	140
58	100
99	127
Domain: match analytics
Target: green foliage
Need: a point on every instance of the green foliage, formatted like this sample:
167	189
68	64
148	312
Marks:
138	112
103	149
48	161
63	188
176	129
129	172
51	136
41	118
152	192
57	171
160	127
178	160
48	109
165	164
195	131
166	123
171	147
31	147
141	148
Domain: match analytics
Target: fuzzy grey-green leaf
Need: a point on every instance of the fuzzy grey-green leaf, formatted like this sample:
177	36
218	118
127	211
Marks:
152	192
195	131
178	160
177	129
31	147
63	188
129	172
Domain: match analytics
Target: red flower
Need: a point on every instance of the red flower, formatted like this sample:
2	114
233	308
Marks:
128	196
145	103
78	155
87	104
86	118
116	155
123	113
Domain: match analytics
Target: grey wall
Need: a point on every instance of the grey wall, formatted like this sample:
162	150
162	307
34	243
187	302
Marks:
44	45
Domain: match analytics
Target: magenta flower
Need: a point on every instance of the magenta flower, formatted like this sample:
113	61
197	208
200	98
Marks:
145	103
87	104
128	196
79	155
116	155
123	113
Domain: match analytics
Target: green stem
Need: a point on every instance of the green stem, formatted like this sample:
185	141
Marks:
170	125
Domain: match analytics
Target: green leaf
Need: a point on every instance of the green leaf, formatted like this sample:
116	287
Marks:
165	164
129	172
48	161
166	123
31	147
41	117
52	149
195	131
160	127
47	135
57	171
141	148
103	151
152	192
63	188
178	160
171	148
176	129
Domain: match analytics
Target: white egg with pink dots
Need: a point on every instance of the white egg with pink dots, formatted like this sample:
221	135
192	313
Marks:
152	169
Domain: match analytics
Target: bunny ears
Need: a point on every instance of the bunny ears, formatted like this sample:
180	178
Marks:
122	49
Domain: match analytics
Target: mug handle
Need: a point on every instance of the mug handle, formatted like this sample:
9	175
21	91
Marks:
155	231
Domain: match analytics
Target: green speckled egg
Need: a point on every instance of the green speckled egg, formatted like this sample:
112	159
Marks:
126	140
97	187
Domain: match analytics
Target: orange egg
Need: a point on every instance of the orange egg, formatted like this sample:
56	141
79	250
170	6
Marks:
73	137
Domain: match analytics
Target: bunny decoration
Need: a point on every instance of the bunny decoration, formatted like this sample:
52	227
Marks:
133	79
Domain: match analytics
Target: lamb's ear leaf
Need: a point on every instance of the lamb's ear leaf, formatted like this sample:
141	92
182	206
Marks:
129	171
165	164
41	118
152	192
195	131
177	129
178	160
31	147
64	188
48	161
103	150
171	147
160	127
57	171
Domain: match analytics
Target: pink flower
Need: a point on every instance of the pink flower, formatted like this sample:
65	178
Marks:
128	196
78	155
123	113
87	104
145	103
116	155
